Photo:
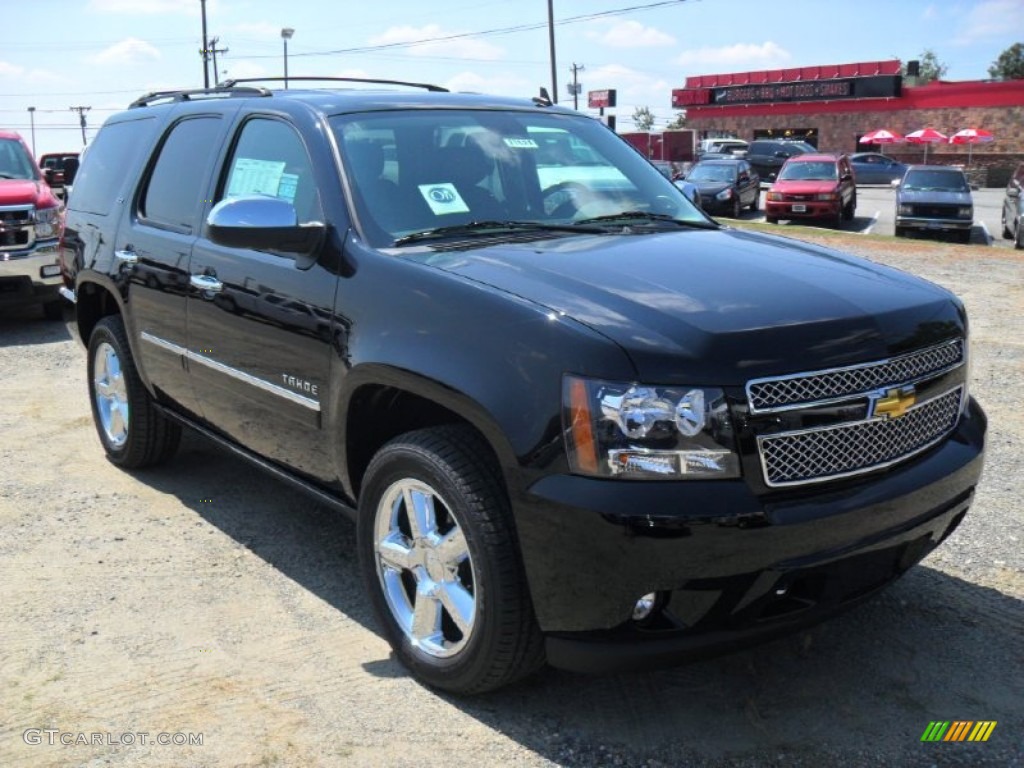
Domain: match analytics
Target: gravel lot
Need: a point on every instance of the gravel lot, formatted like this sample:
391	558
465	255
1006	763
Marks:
205	598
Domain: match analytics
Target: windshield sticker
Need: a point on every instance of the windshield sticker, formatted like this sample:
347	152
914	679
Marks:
443	199
288	186
256	177
521	143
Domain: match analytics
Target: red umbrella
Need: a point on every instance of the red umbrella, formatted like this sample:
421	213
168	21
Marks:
970	137
926	136
881	136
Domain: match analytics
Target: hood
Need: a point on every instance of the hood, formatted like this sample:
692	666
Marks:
26	192
805	187
934	197
711	187
718	307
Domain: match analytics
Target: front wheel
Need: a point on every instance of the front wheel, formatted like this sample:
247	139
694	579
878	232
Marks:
133	431
1018	240
440	559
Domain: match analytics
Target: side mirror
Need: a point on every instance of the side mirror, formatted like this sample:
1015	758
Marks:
262	223
70	170
894	183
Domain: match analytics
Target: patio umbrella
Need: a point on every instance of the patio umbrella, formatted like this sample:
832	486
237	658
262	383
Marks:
970	137
926	136
882	136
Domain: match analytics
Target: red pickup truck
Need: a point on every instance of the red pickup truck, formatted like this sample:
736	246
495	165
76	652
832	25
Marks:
31	219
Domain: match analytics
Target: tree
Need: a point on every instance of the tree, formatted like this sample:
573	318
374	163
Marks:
930	67
679	121
643	118
1010	64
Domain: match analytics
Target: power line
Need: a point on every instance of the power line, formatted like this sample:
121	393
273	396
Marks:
481	33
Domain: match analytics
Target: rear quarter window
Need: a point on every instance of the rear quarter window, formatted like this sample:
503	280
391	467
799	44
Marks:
108	163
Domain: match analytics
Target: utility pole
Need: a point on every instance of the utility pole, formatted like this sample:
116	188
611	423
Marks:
551	45
81	119
32	118
205	50
576	68
214	50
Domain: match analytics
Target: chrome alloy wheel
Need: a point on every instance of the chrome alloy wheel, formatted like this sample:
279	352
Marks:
111	395
425	569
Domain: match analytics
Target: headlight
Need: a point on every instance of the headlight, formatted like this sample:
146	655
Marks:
47	223
725	194
827	196
904	210
618	429
774	196
967	212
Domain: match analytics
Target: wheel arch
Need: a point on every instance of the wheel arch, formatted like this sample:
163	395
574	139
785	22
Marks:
380	402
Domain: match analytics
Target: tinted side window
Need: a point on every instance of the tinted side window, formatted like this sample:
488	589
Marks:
107	164
178	182
270	159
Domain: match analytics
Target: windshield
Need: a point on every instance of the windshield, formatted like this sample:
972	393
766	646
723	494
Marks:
935	181
809	171
415	171
711	172
15	162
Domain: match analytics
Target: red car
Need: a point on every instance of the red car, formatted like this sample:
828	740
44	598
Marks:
813	186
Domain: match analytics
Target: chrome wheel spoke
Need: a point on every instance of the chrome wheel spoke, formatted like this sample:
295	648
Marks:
111	395
420	508
453	548
395	554
459	603
426	619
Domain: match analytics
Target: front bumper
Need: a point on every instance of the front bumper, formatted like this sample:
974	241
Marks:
811	209
934	225
30	276
730	568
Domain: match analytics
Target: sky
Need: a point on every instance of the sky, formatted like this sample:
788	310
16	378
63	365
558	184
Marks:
101	54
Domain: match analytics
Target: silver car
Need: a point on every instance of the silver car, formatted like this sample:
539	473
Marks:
934	198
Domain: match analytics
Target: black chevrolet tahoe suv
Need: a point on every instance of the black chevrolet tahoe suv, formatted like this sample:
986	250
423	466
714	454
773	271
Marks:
574	419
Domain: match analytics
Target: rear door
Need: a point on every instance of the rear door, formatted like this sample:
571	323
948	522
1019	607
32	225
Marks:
260	323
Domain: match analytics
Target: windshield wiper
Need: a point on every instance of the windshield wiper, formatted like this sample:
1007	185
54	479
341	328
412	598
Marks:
646	216
489	227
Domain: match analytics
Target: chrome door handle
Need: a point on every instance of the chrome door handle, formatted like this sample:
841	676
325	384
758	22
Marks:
206	283
126	257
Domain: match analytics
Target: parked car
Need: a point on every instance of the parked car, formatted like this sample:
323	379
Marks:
813	186
934	198
52	166
767	156
876	168
726	186
30	226
574	419
1013	208
737	147
690	190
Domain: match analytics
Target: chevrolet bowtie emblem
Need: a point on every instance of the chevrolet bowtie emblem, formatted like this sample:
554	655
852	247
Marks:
893	403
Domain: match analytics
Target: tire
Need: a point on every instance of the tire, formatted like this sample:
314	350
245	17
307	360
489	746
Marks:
133	431
461	569
1018	240
771	219
756	204
737	207
1007	232
901	231
836	219
850	210
54	310
964	237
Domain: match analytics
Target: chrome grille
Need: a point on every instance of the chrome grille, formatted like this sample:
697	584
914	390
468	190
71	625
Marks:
839	383
851	449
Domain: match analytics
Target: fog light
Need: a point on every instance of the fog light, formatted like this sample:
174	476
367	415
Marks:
644	606
50	270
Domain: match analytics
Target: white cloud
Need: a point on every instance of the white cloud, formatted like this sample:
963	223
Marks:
740	57
10	70
990	19
467	48
131	50
632	34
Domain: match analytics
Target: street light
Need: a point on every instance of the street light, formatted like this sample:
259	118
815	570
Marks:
32	119
286	35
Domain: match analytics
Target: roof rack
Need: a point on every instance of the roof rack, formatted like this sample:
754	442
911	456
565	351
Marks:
223	90
304	78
